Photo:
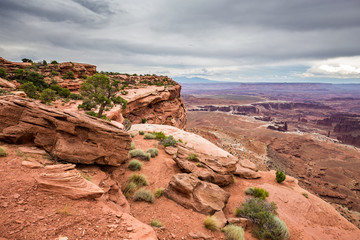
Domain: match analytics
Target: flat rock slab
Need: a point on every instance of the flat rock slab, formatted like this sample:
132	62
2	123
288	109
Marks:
32	150
64	179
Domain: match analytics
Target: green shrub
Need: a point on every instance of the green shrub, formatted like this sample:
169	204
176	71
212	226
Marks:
280	176
26	60
211	223
69	75
143	120
3	73
305	194
132	147
54	62
260	193
159	192
54	73
132	135
255	208
153	152
159	135
47	96
233	232
263	215
130	188
138	179
249	191
156	223
144	195
30	90
141	132
193	157
138	153
75	96
135	165
94	114
3	153
149	136
30	76
87	105
168	141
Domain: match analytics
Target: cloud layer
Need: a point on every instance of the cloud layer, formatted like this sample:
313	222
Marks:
234	40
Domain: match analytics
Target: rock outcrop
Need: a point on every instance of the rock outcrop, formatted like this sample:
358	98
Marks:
64	179
216	170
156	105
79	69
6	84
190	192
69	136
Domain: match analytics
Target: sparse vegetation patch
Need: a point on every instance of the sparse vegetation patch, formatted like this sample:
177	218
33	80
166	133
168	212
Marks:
211	223
135	165
233	232
144	195
280	176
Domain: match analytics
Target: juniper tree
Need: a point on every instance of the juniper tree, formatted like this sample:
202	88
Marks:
99	90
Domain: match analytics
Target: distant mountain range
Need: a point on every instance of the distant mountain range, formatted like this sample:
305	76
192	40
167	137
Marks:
183	80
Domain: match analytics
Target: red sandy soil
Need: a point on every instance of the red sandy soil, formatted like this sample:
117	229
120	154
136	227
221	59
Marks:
324	167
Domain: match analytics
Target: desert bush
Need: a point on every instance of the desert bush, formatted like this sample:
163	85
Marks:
233	232
94	114
144	195
211	223
135	165
193	157
263	215
75	96
132	135
87	105
69	75
280	176
3	73
149	136
143	120
153	152
132	147
30	90
130	188
3	92
259	193
141	132
159	135
54	73
63	92
159	192
168	141
3	153
249	191
54	62
26	60
139	153
138	179
155	223
305	194
47	96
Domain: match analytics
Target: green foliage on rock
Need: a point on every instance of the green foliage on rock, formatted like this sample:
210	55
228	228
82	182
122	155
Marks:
257	192
3	153
233	232
144	195
168	141
69	75
263	215
211	223
135	165
99	90
47	96
153	152
30	90
280	176
3	73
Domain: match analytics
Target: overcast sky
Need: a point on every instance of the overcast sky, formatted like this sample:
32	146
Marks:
232	40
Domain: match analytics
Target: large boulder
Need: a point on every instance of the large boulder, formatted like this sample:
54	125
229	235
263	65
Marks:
69	136
206	167
190	192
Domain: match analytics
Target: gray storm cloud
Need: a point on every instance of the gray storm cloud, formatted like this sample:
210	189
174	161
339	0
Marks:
210	38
